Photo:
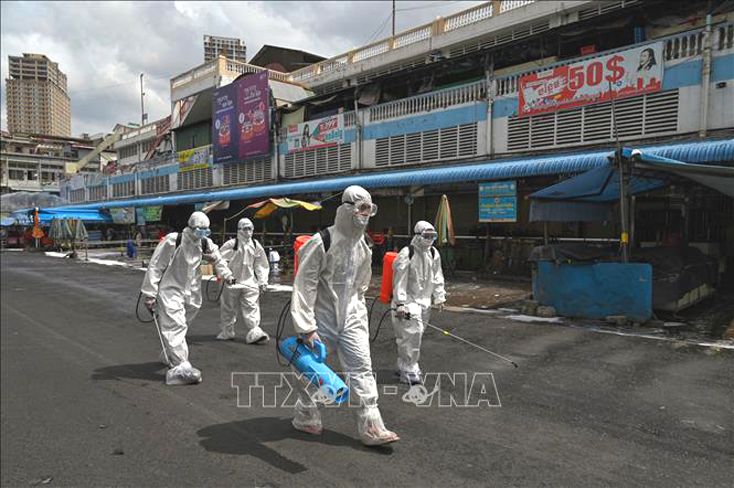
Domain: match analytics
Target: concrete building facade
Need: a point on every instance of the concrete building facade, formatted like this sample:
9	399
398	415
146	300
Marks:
37	98
229	47
34	163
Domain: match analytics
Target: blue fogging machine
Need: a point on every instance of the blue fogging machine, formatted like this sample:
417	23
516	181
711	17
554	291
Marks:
311	365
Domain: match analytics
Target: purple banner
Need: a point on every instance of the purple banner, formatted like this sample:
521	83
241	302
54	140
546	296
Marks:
253	107
224	127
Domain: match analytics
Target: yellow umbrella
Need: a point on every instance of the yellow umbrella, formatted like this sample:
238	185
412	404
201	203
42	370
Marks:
267	207
445	224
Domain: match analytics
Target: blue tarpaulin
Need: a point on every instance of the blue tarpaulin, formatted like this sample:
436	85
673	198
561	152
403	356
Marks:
599	185
587	197
46	215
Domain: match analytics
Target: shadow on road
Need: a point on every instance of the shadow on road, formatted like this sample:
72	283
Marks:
387	377
248	437
153	371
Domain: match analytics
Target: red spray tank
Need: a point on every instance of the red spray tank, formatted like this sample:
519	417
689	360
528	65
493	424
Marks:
386	285
300	241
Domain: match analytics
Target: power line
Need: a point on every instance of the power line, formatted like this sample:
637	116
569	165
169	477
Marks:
378	30
106	87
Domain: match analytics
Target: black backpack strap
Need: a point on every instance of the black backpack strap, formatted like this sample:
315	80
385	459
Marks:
236	243
325	238
411	251
178	239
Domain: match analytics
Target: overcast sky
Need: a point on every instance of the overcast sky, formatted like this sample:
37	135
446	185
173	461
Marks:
104	46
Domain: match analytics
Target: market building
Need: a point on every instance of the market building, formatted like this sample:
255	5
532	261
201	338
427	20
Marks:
487	106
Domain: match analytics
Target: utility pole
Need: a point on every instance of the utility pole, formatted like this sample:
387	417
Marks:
142	102
393	18
142	116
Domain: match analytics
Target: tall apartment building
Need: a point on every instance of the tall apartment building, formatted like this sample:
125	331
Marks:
230	47
37	101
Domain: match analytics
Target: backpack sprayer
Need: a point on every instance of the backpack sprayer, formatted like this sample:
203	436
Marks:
204	247
386	292
312	364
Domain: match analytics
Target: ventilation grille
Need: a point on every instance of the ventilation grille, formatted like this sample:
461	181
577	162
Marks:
195	178
96	193
251	171
645	115
604	7
125	189
76	196
155	184
433	145
409	64
505	37
318	161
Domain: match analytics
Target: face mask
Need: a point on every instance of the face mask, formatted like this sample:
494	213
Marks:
427	242
246	232
361	220
202	233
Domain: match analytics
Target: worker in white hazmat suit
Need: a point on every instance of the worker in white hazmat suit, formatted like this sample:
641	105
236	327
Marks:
249	265
417	277
328	305
172	285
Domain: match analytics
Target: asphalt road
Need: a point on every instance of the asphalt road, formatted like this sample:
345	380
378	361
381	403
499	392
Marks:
84	402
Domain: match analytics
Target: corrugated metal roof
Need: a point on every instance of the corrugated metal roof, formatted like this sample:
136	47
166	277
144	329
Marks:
699	152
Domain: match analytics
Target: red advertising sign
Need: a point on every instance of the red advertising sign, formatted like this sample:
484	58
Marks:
623	74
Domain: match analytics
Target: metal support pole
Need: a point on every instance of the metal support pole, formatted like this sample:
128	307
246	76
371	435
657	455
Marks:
624	241
619	163
633	211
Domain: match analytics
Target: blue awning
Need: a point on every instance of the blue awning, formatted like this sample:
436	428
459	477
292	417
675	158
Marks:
501	169
584	197
719	178
46	215
599	185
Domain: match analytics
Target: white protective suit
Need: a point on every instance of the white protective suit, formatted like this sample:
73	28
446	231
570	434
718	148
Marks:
173	279
328	297
415	281
250	268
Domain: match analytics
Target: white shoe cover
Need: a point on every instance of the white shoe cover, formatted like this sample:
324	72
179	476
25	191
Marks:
372	430
257	336
226	334
183	374
307	419
411	378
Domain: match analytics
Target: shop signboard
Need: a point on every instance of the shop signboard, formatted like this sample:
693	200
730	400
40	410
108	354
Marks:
617	75
323	132
498	202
